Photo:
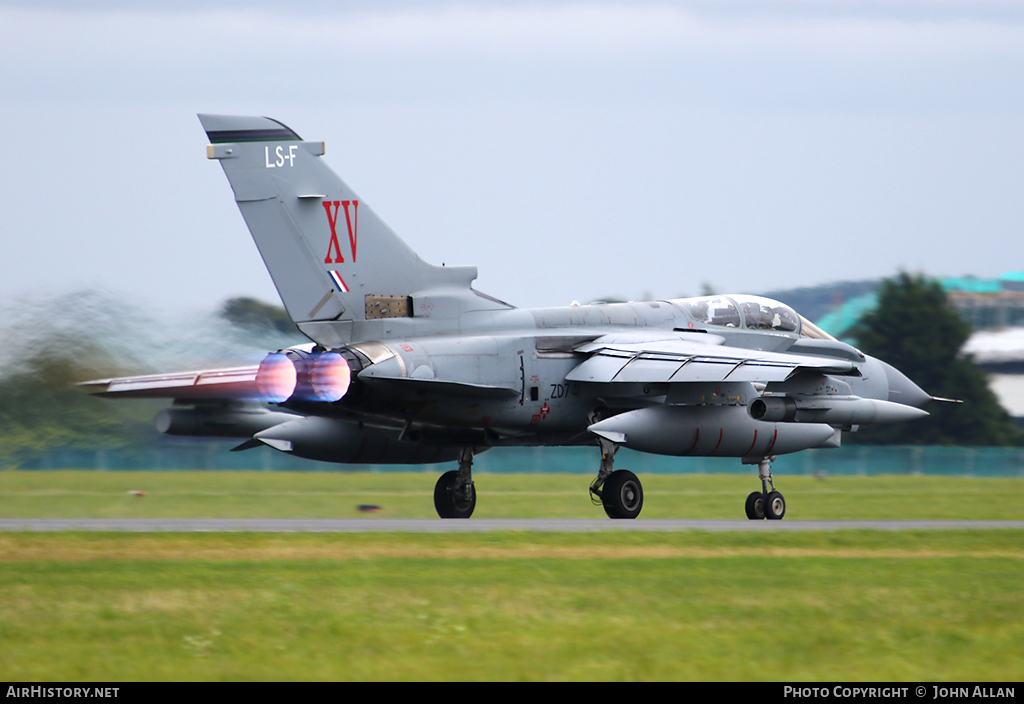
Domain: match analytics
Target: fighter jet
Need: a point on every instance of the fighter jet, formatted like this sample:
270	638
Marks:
408	363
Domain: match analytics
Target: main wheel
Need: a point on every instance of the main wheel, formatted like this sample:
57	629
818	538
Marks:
755	506
774	506
450	504
622	495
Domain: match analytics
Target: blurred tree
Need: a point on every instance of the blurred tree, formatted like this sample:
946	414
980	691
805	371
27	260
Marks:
53	343
254	315
41	410
915	329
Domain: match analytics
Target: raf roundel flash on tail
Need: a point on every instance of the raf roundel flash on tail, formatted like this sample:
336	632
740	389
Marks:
407	363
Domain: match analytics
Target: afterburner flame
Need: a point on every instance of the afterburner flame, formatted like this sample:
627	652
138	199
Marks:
276	378
331	377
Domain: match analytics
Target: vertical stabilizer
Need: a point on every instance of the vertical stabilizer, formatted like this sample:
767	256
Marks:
333	261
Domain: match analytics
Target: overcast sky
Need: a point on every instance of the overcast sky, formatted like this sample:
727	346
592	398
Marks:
570	150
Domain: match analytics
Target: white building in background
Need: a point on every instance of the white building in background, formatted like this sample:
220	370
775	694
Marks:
994	308
1001	354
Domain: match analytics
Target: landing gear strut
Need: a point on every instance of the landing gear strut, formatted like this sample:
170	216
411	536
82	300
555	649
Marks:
454	493
618	491
767	503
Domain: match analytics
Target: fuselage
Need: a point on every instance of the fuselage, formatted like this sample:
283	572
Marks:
505	377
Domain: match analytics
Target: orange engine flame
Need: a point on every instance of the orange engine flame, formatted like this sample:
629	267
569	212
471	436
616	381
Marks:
276	378
331	377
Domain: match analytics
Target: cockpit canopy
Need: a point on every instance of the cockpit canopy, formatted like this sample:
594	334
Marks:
750	312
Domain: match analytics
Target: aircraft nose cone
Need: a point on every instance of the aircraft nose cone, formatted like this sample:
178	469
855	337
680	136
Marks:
903	390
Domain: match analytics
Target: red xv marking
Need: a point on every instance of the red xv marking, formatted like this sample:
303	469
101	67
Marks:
351	221
333	221
353	225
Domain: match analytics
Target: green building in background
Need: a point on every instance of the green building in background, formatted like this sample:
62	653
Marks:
986	304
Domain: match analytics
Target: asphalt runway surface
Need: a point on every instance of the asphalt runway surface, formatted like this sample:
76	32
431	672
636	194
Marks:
482	525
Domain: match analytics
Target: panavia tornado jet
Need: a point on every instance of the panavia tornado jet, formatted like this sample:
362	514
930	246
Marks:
408	363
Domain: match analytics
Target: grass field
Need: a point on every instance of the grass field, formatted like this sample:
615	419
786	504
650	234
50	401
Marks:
68	494
845	606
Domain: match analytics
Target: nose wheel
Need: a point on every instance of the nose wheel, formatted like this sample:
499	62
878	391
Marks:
774	506
755	506
767	503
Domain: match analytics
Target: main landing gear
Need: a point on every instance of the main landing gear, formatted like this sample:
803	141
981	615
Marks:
767	503
618	491
454	493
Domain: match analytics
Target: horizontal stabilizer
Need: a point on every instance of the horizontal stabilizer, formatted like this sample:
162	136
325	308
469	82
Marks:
209	384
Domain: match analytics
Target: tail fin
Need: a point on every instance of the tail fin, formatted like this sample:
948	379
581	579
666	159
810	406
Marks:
336	265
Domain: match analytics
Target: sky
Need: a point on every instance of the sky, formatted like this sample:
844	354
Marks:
570	150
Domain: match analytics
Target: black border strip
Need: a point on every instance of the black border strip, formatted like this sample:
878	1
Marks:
271	135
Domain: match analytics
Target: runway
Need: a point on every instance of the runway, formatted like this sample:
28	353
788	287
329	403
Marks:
483	525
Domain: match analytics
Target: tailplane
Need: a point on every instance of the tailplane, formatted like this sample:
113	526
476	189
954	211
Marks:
335	264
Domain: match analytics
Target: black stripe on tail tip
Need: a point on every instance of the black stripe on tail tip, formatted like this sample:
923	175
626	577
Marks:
281	134
228	136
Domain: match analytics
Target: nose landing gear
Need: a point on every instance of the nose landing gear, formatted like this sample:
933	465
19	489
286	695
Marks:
767	503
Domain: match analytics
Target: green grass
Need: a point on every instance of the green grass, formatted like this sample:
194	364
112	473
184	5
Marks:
819	606
846	606
69	494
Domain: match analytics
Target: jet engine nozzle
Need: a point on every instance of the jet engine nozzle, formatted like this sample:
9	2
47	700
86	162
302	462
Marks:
773	409
293	375
330	377
277	378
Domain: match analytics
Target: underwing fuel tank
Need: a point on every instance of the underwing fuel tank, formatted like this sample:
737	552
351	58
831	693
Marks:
333	440
706	431
218	421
